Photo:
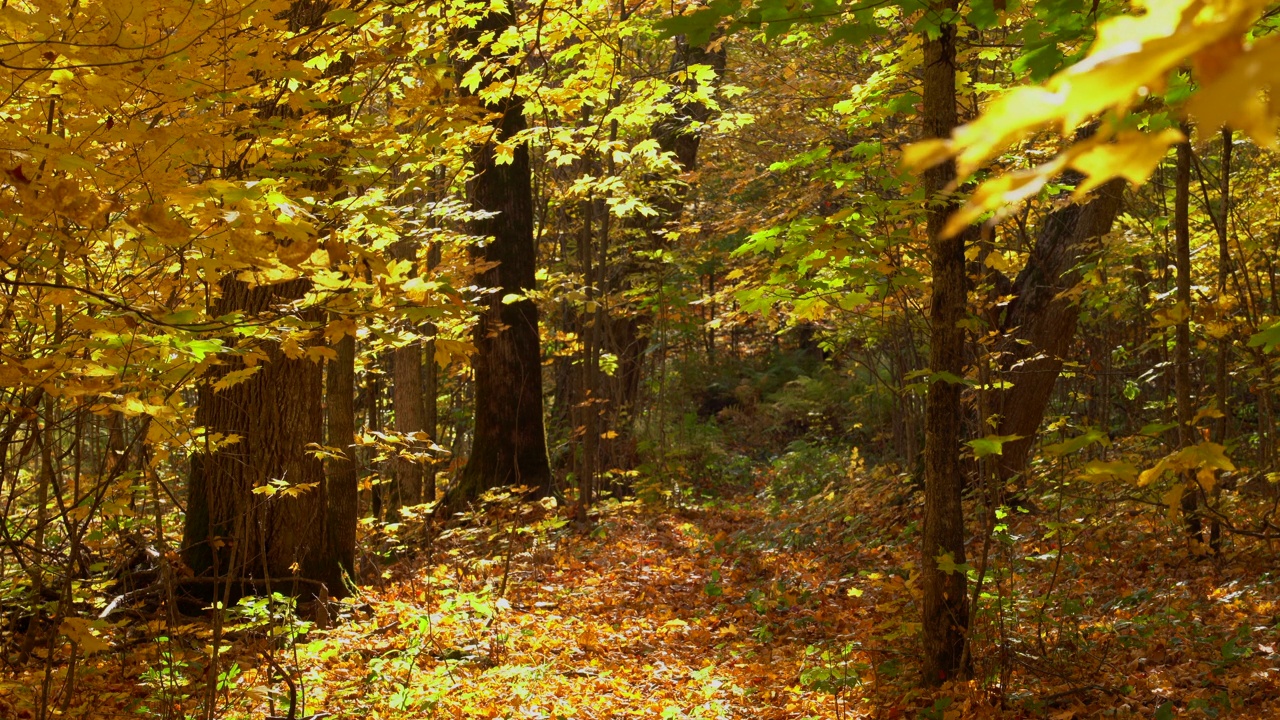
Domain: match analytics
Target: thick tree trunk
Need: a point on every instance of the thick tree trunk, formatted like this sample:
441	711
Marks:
343	473
1040	321
231	532
945	602
510	445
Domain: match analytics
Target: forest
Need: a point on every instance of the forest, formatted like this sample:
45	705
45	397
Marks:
710	359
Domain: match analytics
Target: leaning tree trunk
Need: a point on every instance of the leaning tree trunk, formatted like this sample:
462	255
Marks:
945	615
510	444
1040	321
233	533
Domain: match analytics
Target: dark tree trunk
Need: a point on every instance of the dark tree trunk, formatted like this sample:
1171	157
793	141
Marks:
231	531
1222	224
343	472
1182	336
675	134
945	602
1039	324
430	389
510	445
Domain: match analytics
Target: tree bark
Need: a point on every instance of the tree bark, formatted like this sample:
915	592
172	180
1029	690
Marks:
510	445
430	388
231	532
1040	321
1222	225
945	602
343	472
407	404
1182	330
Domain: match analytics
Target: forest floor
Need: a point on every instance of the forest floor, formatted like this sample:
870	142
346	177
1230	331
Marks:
731	607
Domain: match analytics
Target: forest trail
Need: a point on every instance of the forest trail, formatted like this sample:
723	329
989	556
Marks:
721	611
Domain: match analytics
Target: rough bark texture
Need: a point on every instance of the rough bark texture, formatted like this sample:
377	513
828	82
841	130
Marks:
1040	321
343	474
510	445
276	413
945	603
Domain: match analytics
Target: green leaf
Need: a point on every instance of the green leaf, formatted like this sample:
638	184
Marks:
982	14
1267	338
947	564
1076	444
991	444
1154	429
697	27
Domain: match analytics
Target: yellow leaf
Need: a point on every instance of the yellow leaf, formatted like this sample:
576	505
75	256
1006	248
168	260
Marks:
1101	470
1133	156
235	377
80	631
1206	412
1173	499
925	153
1000	192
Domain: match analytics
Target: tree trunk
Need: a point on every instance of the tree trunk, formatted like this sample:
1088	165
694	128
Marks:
510	445
407	404
1040	321
231	532
430	388
343	473
1182	337
1222	427
945	602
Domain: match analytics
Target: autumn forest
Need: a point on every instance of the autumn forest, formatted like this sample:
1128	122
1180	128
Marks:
712	359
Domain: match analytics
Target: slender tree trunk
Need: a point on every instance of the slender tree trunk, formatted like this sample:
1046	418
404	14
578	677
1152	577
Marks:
373	385
510	445
343	472
945	602
1223	425
276	414
430	388
406	406
1182	337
